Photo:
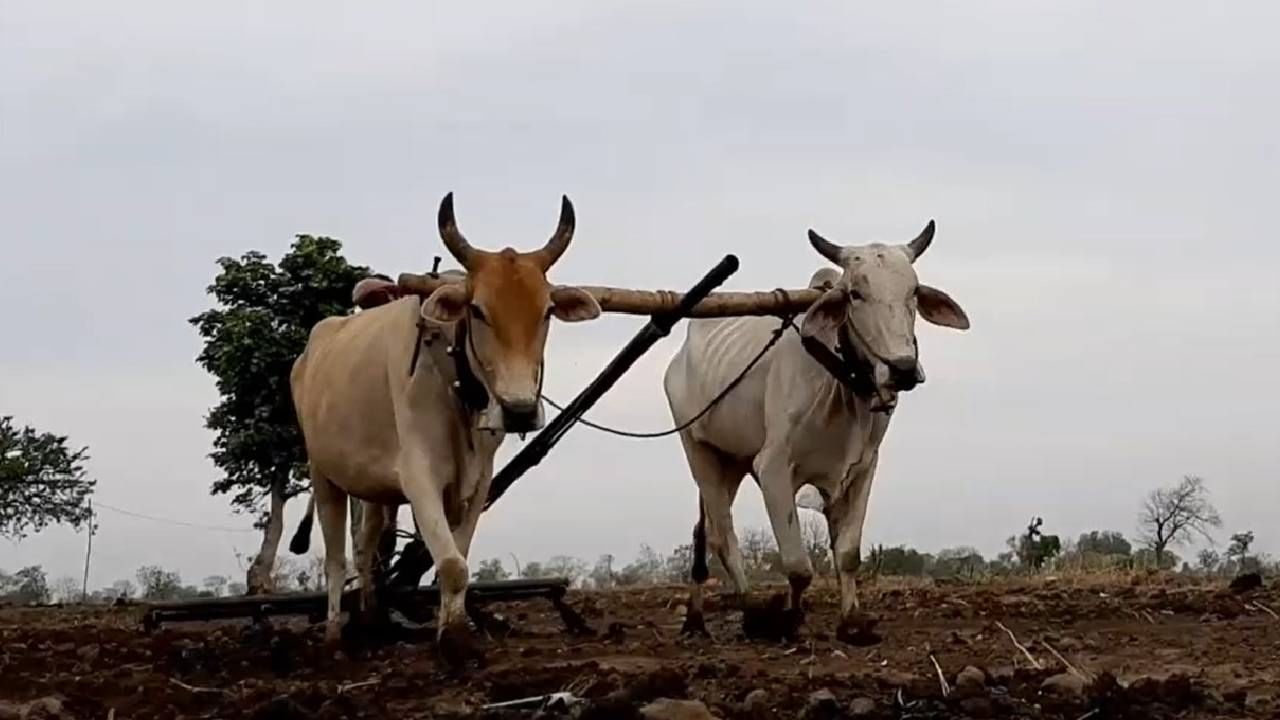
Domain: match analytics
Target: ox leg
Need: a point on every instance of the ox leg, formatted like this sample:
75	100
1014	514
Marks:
373	521
774	473
721	535
466	530
717	484
331	506
423	491
845	518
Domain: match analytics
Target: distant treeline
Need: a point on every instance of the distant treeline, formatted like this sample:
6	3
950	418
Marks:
1031	552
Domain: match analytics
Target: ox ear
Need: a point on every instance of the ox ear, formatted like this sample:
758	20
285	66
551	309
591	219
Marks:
447	304
938	308
825	316
571	304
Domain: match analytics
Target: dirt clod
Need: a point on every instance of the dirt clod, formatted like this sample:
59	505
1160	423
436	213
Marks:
665	682
862	707
280	708
755	706
822	705
45	708
1247	582
859	630
1063	686
669	709
459	647
978	707
772	620
971	682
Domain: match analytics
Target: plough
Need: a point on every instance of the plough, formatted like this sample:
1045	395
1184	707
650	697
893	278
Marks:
409	601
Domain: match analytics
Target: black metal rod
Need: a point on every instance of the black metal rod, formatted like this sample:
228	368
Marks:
658	327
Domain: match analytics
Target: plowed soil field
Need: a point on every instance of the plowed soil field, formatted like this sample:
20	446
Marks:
1132	648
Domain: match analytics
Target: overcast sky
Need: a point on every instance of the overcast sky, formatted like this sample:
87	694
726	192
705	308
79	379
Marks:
1103	177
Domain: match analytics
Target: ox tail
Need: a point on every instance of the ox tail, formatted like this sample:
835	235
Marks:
699	572
301	541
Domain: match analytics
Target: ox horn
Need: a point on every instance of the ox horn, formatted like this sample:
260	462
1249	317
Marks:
825	247
559	241
452	237
916	247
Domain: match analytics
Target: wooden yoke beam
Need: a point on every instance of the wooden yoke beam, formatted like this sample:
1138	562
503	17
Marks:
648	302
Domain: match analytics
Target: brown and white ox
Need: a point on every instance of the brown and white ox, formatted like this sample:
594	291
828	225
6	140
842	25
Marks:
409	401
791	423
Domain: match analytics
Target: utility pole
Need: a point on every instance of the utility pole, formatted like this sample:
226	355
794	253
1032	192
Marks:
88	553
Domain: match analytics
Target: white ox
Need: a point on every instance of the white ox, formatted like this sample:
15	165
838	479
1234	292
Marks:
791	423
392	413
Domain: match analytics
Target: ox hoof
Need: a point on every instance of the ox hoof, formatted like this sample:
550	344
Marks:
694	625
459	646
858	629
771	620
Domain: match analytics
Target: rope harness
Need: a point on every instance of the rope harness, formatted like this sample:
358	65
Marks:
846	366
787	322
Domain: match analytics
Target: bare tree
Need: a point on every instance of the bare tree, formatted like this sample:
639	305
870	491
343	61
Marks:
817	543
1171	515
66	590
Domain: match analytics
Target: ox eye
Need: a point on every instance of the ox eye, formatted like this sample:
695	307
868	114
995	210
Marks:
478	314
855	296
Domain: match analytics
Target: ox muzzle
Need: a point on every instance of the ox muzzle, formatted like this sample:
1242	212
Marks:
521	416
511	416
893	376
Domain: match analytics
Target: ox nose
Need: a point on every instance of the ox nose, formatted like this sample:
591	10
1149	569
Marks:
904	372
520	415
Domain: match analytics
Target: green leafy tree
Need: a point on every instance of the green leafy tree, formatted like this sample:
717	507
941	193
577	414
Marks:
1105	542
28	585
262	317
644	570
963	561
1146	558
159	584
1098	550
1238	552
490	570
42	481
897	561
216	585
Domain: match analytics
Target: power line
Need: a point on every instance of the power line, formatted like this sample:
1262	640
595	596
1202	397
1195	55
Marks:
169	521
